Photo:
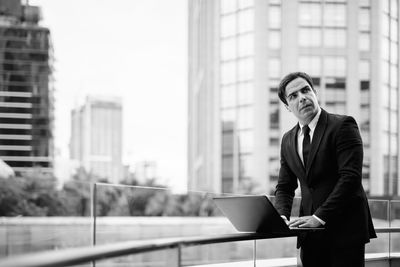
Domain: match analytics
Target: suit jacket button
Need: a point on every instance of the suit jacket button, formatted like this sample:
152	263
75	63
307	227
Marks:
311	189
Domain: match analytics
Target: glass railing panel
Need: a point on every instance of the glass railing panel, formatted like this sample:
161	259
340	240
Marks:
395	222
126	213
229	252
269	251
160	258
39	214
140	213
380	217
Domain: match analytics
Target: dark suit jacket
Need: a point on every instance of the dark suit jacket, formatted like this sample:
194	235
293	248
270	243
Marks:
331	185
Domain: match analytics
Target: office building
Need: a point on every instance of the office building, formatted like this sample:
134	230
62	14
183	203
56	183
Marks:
96	137
26	89
238	52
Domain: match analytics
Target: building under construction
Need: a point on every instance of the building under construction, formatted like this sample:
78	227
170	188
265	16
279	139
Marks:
26	91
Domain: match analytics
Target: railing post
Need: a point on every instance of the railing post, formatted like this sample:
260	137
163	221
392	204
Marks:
255	253
93	194
179	255
390	225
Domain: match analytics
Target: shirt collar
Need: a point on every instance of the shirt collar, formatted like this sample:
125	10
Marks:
312	123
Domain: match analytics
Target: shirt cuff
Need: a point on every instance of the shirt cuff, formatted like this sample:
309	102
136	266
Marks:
284	217
321	221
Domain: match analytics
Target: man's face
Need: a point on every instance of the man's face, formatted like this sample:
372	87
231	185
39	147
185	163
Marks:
302	100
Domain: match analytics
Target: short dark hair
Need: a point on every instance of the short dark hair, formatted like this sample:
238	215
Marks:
287	79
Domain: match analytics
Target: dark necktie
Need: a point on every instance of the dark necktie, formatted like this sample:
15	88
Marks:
306	144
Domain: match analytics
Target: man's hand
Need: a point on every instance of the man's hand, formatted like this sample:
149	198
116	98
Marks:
305	221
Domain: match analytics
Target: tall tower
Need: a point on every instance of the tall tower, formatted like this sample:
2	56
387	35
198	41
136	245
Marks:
26	89
96	137
238	52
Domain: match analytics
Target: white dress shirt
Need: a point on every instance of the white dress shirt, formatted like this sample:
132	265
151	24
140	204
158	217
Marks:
300	136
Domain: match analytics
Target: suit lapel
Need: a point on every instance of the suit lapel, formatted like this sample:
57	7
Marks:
317	137
292	146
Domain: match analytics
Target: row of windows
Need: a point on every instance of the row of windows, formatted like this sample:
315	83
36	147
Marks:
237	94
237	47
237	23
241	117
331	15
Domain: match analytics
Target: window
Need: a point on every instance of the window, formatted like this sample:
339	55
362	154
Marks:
334	38
246	20
364	70
309	37
228	49
246	141
228	96
310	65
245	93
245	69
228	25
246	45
246	168
228	6
335	66
364	19
274	68
227	143
275	17
310	14
274	39
364	41
245	117
227	166
244	3
228	72
335	15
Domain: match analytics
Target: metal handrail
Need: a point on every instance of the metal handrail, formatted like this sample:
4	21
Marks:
74	256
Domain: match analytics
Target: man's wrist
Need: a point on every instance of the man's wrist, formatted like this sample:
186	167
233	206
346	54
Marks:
318	219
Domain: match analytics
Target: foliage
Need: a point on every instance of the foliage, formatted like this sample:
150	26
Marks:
38	195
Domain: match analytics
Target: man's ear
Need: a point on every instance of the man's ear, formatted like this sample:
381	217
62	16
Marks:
287	107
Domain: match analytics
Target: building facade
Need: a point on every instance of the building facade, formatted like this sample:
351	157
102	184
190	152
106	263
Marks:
26	89
96	138
238	52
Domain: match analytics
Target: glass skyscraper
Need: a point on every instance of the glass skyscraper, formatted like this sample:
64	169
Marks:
26	89
238	52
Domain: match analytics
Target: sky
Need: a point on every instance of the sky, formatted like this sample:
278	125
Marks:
135	49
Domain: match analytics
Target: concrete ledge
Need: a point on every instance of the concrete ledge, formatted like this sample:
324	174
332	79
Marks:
371	260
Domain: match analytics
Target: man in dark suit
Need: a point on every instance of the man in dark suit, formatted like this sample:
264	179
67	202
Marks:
325	153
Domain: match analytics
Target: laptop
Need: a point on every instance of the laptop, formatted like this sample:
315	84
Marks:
255	214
